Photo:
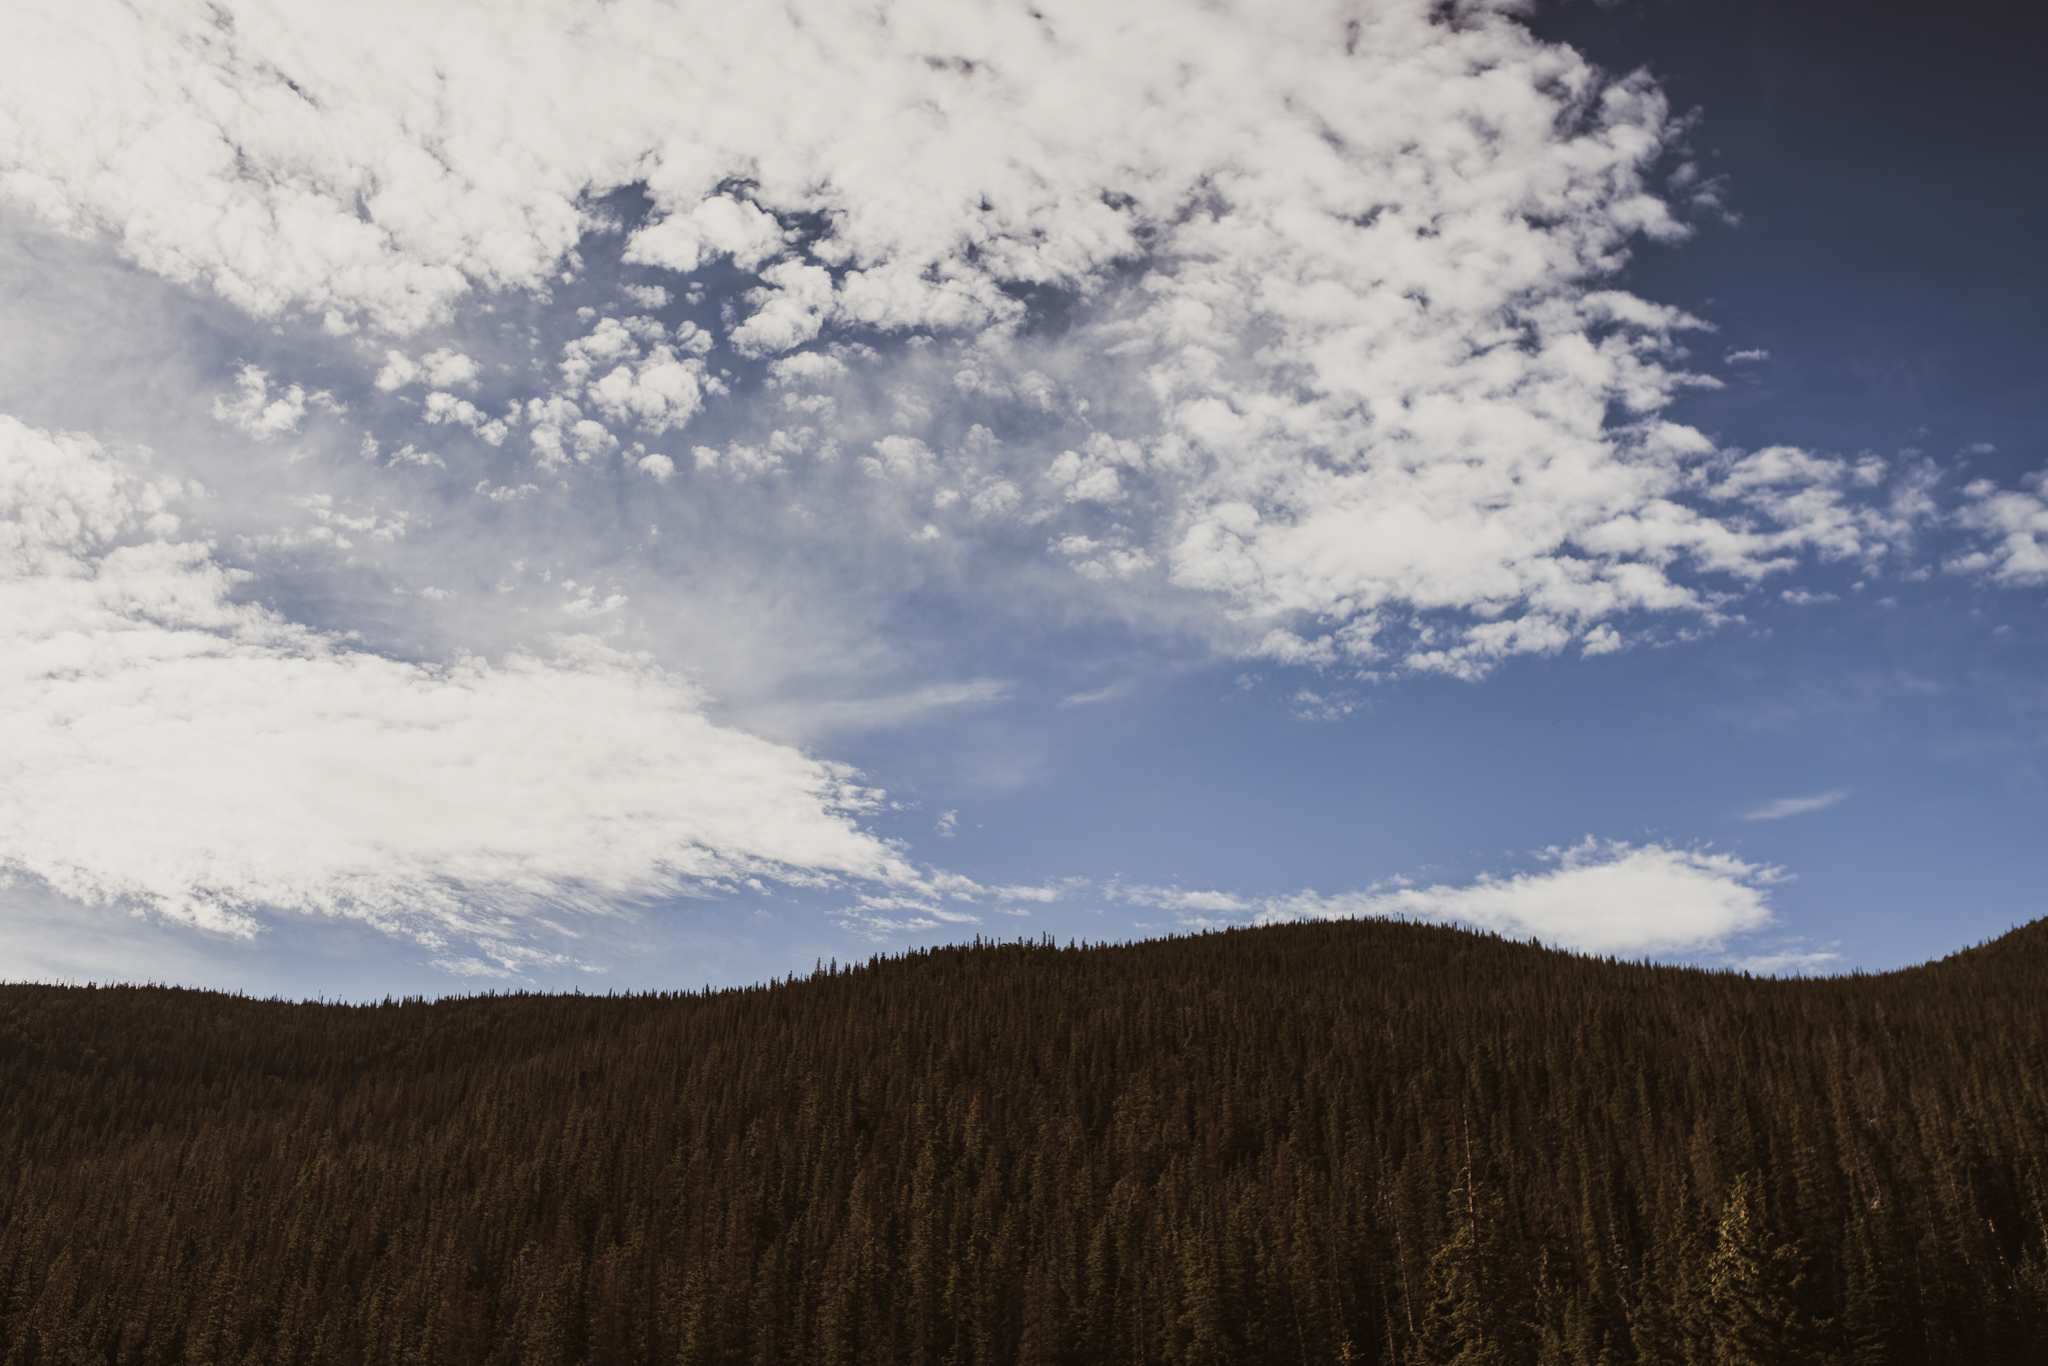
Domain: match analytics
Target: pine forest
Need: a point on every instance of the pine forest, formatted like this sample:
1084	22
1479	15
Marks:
1317	1143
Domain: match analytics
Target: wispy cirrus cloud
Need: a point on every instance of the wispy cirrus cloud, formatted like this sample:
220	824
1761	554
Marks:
1783	807
166	746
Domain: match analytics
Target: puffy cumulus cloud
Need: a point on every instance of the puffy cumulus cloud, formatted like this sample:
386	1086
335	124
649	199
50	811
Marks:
1335	347
256	411
442	407
166	746
1597	898
2014	522
630	372
445	368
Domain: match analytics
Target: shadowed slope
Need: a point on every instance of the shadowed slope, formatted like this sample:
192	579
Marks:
1367	1141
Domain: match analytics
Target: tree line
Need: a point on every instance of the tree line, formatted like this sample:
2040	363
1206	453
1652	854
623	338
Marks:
1335	1142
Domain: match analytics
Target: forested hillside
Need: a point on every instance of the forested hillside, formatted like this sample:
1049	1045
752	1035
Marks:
1366	1142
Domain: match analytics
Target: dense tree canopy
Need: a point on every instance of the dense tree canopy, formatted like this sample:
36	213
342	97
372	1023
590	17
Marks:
1363	1142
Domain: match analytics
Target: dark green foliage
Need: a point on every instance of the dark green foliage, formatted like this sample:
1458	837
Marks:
1753	1285
1362	1142
1479	1313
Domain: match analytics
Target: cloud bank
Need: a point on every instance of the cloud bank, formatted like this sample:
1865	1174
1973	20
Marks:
1300	309
166	746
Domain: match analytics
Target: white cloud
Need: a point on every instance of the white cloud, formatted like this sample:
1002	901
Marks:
1602	640
1794	806
740	461
656	392
167	746
441	406
1597	898
806	367
2015	522
1307	705
789	311
409	454
1180	899
1337	272
445	368
899	457
254	411
656	389
805	720
925	905
399	370
449	369
560	432
1088	699
718	226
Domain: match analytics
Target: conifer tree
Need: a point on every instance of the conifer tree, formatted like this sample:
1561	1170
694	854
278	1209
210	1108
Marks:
1753	1282
1670	1325
1479	1309
1870	1308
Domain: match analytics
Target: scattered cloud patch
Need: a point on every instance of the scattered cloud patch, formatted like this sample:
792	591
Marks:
1342	294
1306	705
2014	522
254	410
445	368
441	406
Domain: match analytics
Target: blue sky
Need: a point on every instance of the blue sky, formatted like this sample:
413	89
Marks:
619	498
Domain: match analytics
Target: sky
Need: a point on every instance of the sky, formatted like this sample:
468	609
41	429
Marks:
644	496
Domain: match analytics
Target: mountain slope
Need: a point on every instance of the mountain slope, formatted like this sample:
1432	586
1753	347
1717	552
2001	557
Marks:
1368	1141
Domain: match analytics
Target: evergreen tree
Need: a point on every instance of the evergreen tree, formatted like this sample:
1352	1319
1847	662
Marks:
1671	1322
1871	1312
1479	1311
1753	1284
